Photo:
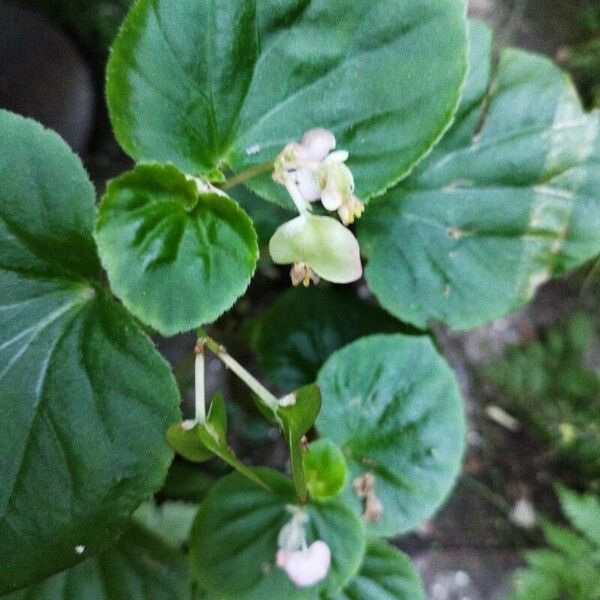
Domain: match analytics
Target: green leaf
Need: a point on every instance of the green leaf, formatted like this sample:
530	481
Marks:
213	434
583	510
296	335
386	574
491	213
212	86
84	396
324	469
177	256
297	418
393	406
234	541
187	443
138	567
206	440
170	521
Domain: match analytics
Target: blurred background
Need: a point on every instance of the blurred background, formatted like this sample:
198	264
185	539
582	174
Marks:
531	381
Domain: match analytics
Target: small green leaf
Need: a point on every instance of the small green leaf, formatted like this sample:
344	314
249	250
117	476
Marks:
187	443
226	84
234	541
85	397
139	567
324	469
213	434
297	418
169	521
583	510
203	441
296	335
177	257
386	574
498	207
393	406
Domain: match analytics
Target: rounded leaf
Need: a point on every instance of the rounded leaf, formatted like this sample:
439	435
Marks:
392	404
176	256
234	540
324	469
499	207
84	395
225	84
386	574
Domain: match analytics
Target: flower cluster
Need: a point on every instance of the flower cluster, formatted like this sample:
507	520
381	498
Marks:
305	565
317	246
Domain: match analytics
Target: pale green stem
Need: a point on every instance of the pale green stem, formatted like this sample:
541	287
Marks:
246	175
266	397
200	385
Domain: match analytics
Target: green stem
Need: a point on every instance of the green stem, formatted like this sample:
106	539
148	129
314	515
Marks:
266	397
244	176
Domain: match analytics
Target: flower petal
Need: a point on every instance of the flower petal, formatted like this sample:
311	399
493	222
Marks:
322	243
316	145
332	197
306	567
308	184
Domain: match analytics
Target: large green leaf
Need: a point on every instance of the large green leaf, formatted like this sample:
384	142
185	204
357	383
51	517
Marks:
177	257
393	405
85	398
386	574
219	85
234	541
296	335
491	213
139	567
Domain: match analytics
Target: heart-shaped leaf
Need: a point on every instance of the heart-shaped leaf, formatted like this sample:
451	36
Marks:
234	540
509	199
176	255
386	574
84	396
139	567
298	414
296	335
212	86
393	406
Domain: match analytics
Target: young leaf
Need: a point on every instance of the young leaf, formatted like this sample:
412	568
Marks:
84	396
205	440
176	256
386	574
213	434
496	209
234	541
297	418
324	469
393	406
170	521
583	511
296	335
212	86
139	567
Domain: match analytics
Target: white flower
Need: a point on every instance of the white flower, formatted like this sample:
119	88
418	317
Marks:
306	567
311	171
317	247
